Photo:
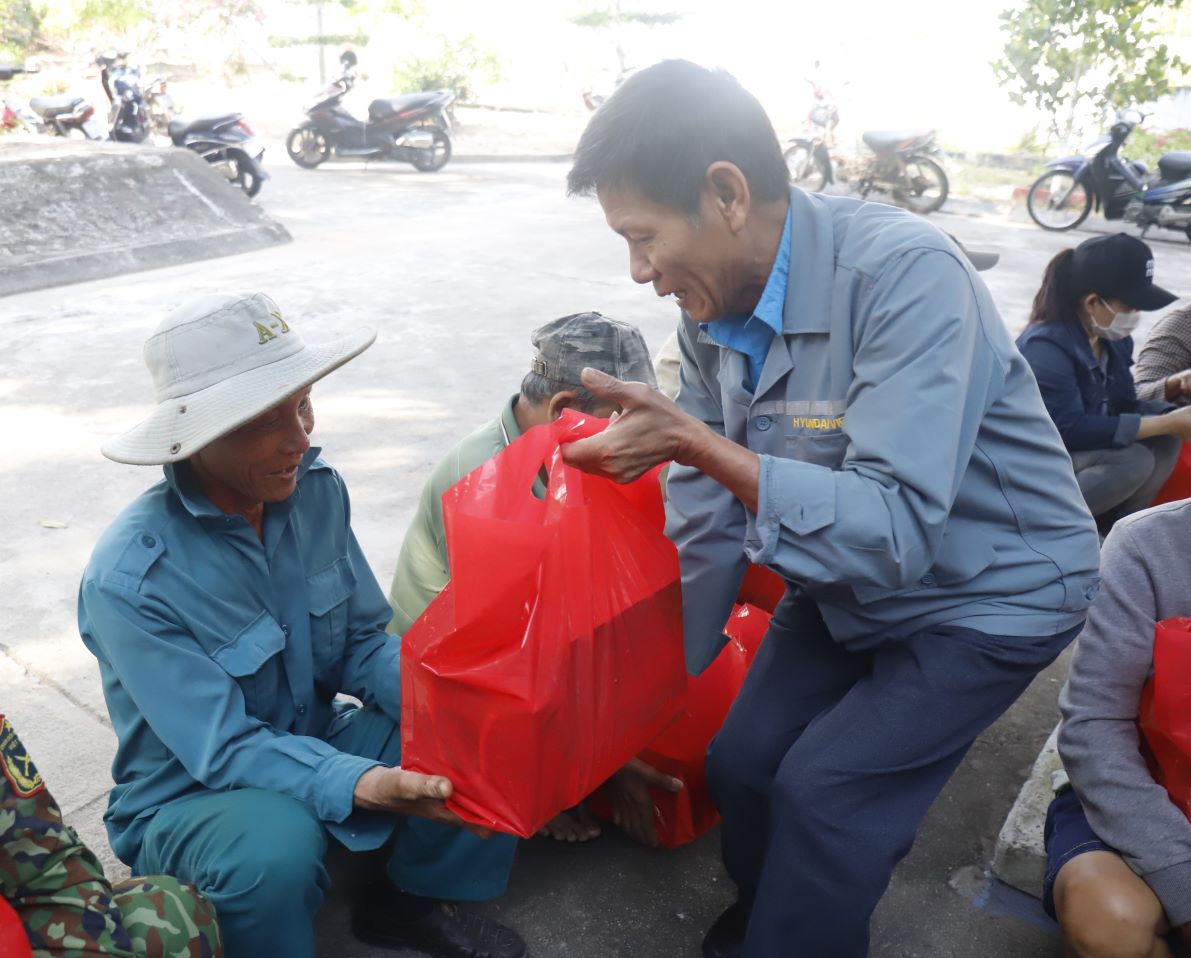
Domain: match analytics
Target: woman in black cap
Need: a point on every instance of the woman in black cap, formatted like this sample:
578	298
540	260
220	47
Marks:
1079	345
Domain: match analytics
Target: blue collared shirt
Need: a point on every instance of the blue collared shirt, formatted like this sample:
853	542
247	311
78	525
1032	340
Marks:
753	334
221	652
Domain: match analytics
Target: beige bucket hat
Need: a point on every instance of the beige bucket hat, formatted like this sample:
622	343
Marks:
217	363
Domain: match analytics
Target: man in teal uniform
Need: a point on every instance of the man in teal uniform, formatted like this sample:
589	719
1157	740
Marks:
228	606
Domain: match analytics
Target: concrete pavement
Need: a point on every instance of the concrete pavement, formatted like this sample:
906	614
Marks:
454	270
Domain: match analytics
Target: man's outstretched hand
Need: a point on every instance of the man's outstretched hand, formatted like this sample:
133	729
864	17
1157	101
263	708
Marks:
649	429
410	793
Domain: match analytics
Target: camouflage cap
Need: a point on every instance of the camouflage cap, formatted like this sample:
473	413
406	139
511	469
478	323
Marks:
565	346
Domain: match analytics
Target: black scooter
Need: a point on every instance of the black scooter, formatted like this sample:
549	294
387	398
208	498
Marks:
129	118
408	129
1121	189
227	142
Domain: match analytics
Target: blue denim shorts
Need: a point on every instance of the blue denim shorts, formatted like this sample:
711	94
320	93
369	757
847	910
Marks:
1067	834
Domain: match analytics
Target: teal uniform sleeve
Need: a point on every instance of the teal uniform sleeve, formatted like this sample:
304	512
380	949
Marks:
197	709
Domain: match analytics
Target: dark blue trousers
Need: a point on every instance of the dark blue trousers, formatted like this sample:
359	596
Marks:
829	759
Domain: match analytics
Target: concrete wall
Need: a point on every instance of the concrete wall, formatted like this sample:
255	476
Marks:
71	211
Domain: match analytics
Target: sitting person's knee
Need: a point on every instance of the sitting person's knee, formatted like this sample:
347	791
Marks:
1106	915
167	917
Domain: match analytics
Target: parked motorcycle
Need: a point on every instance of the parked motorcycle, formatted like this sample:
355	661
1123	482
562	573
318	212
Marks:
904	164
15	115
225	141
808	157
160	105
1121	189
413	128
63	115
128	120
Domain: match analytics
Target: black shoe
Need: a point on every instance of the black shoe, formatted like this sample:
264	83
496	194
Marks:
382	918
725	938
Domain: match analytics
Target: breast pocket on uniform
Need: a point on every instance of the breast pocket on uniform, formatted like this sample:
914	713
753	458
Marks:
252	658
328	591
814	432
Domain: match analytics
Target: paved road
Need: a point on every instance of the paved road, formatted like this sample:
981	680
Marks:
454	269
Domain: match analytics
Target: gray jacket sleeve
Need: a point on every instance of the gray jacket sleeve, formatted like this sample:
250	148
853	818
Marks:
1099	740
707	524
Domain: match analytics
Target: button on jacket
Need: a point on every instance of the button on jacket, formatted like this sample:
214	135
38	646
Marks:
221	653
910	474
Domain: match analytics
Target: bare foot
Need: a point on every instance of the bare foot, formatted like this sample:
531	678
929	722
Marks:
575	825
632	805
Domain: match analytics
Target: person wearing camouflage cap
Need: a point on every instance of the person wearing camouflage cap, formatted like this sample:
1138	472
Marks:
563	347
58	889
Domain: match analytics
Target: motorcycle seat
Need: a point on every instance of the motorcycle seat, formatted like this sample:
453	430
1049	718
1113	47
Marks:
390	106
181	126
880	140
48	106
1175	166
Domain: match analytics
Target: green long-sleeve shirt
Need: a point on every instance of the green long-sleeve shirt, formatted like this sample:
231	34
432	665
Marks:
422	568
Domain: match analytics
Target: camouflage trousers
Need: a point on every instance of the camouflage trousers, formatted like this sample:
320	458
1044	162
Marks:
58	889
158	917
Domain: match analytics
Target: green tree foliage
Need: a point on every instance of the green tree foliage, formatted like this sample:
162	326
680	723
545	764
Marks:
22	29
457	65
118	16
612	16
1066	57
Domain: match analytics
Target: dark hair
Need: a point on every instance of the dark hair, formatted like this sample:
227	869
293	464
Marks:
664	126
538	389
1058	296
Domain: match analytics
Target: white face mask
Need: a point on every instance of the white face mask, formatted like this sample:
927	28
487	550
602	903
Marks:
1122	324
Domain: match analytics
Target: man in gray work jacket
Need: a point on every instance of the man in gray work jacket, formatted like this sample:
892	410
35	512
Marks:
852	414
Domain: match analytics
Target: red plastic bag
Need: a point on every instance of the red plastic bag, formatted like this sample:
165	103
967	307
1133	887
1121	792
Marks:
1165	713
681	749
1178	485
13	942
555	652
761	587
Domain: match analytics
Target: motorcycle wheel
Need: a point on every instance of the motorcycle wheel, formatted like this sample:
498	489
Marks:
307	147
434	157
239	171
804	171
928	186
1057	202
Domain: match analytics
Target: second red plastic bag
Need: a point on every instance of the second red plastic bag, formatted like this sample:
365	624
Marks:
1165	714
555	652
681	750
1178	485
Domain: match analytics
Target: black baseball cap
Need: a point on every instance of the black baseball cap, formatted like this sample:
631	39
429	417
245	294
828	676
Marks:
980	259
1119	266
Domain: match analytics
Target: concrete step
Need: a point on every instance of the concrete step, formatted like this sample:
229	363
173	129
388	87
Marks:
76	211
1020	856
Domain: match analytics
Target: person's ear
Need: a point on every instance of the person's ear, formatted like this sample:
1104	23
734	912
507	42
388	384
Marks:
727	190
563	399
1089	303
